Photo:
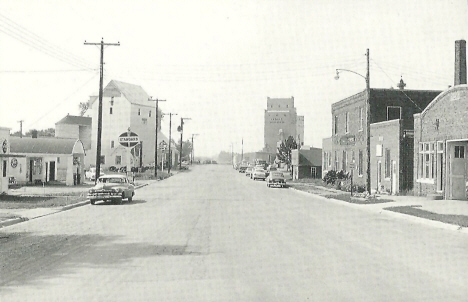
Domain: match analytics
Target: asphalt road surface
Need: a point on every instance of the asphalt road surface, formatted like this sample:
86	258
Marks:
212	234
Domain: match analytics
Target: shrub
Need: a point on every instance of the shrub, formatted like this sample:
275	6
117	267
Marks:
330	177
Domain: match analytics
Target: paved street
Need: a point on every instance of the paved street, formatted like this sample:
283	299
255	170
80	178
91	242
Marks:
212	234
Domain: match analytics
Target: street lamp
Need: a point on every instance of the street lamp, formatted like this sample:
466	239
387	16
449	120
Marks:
156	138
181	129
368	111
191	159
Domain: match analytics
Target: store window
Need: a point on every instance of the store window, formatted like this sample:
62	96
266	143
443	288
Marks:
387	163
427	160
360	168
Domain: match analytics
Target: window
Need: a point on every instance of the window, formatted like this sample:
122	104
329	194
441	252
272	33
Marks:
387	163
149	114
427	160
110	110
335	125
393	113
103	159
58	160
329	159
360	168
139	111
118	160
344	161
459	151
112	101
336	161
347	122
4	168
361	118
112	144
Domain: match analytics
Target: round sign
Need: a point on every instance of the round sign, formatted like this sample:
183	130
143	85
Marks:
14	162
129	139
5	146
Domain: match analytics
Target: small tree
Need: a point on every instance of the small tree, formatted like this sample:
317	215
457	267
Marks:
284	153
84	106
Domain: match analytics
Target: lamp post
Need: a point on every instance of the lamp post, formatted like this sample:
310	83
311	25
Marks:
156	137
191	159
368	112
181	129
170	142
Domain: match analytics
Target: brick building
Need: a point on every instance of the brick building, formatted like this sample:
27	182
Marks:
349	142
441	139
281	121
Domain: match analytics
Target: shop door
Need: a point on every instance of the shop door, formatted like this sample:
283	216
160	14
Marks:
31	167
52	171
457	158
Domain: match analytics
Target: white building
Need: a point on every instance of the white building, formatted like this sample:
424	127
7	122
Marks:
125	106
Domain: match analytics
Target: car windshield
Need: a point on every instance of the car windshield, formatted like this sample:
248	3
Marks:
112	180
277	174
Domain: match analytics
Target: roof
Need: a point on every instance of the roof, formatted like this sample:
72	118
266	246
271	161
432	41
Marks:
133	93
310	157
75	120
50	145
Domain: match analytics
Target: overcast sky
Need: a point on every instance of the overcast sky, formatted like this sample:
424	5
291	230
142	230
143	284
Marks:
218	61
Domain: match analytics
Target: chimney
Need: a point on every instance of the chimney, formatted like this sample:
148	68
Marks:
460	62
34	133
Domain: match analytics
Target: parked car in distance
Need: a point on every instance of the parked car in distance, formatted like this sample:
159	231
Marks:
91	174
242	168
276	179
259	173
248	171
112	188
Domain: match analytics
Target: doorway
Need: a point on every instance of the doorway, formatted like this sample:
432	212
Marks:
457	170
52	171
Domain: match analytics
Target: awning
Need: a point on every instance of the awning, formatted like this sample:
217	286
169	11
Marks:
11	155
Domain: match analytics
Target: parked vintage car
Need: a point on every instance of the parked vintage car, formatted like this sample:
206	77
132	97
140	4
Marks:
242	168
248	171
112	188
91	173
258	173
276	179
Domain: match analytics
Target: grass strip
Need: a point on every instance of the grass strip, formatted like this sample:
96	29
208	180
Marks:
460	220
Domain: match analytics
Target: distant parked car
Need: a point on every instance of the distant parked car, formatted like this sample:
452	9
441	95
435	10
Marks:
248	171
242	168
276	179
113	188
258	173
91	174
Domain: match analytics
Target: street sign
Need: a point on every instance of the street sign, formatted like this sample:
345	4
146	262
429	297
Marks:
162	146
129	139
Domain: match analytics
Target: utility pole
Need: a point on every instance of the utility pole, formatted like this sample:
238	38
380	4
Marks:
368	116
242	154
99	130
156	138
170	142
191	159
21	128
181	128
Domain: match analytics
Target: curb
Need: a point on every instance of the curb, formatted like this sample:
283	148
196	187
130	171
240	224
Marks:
62	209
416	219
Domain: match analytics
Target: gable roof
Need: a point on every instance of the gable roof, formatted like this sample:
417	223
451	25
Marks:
133	93
75	120
50	145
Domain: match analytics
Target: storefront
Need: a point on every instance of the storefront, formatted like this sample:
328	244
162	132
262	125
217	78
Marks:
48	160
441	144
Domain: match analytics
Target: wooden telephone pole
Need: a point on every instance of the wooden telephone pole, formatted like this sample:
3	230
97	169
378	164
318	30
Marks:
99	130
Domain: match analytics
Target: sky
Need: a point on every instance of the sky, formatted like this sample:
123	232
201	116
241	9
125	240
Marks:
216	62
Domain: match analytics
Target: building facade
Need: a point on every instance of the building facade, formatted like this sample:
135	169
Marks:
77	127
349	140
48	160
306	163
281	121
124	106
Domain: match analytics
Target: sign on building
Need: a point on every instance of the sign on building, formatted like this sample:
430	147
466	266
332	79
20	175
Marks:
129	139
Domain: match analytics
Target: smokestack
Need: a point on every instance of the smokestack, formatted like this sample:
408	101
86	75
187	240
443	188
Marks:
34	133
460	62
